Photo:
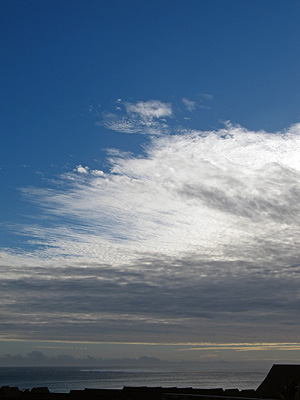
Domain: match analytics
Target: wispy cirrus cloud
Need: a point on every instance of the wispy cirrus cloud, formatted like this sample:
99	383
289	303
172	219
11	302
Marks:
207	96
144	117
190	105
197	238
149	109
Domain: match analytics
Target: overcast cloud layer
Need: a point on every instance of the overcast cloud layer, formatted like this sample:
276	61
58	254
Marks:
195	240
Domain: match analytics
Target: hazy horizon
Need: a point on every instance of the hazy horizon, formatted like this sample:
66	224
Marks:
39	359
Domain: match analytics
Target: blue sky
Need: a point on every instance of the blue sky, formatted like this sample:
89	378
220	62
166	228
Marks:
150	177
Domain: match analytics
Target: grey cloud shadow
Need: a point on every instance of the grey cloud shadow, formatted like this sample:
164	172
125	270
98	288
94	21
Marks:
275	198
167	295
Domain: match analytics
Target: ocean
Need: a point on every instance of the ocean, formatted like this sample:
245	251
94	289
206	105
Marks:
63	379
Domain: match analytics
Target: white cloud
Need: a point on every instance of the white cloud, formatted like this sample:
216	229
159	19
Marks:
86	170
150	109
200	234
193	192
82	170
97	172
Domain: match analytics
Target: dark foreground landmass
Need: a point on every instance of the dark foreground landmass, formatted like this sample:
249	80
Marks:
282	383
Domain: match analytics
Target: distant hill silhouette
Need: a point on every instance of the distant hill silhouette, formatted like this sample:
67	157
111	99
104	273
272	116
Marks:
37	358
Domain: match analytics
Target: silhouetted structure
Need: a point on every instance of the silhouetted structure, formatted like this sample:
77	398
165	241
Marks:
282	382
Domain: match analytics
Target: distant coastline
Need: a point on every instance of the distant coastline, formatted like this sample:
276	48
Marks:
37	358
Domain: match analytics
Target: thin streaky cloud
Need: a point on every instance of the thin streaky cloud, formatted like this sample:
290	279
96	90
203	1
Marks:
201	346
247	347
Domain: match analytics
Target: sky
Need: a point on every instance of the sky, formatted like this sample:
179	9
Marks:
150	165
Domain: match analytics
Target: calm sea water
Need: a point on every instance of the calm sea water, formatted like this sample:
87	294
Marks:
63	379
